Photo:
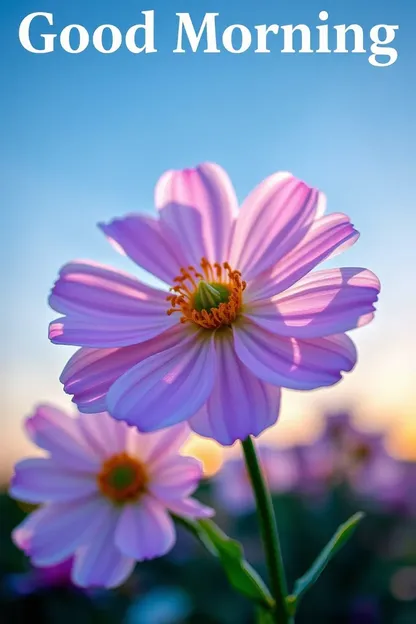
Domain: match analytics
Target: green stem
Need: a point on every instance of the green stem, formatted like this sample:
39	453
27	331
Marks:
268	528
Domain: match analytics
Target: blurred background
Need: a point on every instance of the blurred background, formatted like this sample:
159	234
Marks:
85	138
316	487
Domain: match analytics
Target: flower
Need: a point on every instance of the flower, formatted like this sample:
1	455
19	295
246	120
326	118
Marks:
344	454
38	579
106	492
232	483
244	317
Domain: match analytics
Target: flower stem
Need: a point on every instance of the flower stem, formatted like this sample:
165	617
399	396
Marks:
268	528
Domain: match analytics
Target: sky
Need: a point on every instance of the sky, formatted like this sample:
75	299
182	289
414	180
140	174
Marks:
86	136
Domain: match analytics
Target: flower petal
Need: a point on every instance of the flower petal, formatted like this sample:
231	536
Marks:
166	388
272	220
105	308
175	478
321	304
54	431
190	508
157	447
22	535
200	206
240	404
57	530
145	530
100	563
149	243
90	373
40	480
104	435
326	238
300	364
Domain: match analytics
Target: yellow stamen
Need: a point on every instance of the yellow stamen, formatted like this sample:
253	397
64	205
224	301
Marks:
212	301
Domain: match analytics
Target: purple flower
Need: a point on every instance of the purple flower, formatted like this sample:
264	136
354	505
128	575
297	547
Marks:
245	316
106	491
36	579
345	454
56	575
232	483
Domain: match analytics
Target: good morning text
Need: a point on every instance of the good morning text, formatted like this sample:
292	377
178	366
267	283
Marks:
38	36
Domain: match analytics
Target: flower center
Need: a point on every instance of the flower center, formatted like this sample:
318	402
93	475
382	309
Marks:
361	453
122	478
211	296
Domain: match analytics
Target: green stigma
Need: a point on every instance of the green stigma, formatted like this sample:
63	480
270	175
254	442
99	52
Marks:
209	295
121	477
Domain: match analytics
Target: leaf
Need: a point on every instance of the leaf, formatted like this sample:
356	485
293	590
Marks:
231	555
341	536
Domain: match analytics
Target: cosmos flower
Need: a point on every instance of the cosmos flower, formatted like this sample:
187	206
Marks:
232	483
244	316
345	454
106	492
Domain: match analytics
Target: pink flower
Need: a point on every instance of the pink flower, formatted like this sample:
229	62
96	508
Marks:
245	316
106	491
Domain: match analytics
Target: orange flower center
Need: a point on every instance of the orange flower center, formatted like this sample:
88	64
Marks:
122	478
211	296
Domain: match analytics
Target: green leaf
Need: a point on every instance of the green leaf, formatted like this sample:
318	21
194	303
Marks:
341	536
231	555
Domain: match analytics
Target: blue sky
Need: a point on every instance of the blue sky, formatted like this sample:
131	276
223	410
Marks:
85	137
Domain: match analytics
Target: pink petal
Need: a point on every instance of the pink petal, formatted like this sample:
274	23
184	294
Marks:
104	435
166	388
159	446
321	304
294	363
190	508
240	404
273	219
58	530
90	373
22	535
40	480
326	238
200	206
100	563
175	478
105	308
145	530
147	242
54	431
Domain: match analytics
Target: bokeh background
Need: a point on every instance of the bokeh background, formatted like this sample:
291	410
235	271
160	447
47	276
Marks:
84	139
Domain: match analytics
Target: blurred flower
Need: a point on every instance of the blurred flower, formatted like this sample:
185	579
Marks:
244	318
343	453
35	579
409	499
107	491
56	575
232	484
